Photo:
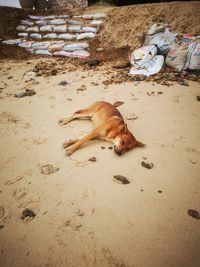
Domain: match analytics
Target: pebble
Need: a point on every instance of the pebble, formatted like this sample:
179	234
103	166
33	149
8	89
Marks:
147	165
121	179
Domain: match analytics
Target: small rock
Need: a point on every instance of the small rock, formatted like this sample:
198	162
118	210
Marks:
80	213
121	179
102	147
160	191
63	83
48	169
10	77
142	190
193	161
110	147
29	76
118	103
93	62
28	92
93	159
198	98
147	165
27	213
194	213
1	226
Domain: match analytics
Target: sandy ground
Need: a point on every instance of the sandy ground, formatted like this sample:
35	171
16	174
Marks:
83	217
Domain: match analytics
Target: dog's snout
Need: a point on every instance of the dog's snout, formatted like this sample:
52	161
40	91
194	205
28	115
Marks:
117	151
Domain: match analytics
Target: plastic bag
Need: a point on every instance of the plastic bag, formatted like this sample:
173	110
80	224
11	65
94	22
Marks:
86	35
40	45
143	55
150	68
43	52
99	16
76	46
27	22
26	44
35	36
75	54
12	41
163	41
74	22
32	29
157	27
89	29
63	16
21	28
96	22
193	57
55	47
60	28
46	28
67	36
23	34
50	36
41	22
57	22
176	57
75	29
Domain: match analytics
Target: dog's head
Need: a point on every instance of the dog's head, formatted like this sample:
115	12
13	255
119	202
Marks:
125	141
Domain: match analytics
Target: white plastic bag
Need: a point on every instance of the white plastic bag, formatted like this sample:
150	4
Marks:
75	47
60	28
35	36
75	29
23	34
193	57
26	22
46	28
164	41
150	68
74	22
157	27
43	52
75	54
26	44
86	35
21	28
32	29
57	22
67	36
96	22
12	41
50	36
142	55
89	29
41	22
99	16
40	45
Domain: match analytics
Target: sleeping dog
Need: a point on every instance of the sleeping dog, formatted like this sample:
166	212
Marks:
108	125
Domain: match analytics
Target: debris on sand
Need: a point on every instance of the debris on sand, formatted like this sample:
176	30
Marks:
82	88
28	92
147	165
48	169
93	159
121	179
63	83
27	213
198	98
194	213
93	62
160	191
2	212
1	226
118	103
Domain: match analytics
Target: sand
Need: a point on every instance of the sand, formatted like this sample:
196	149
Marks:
83	217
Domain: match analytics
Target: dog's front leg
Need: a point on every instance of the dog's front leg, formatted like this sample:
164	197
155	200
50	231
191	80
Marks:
72	148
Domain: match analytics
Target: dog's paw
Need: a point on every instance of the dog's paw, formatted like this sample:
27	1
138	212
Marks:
68	143
68	152
61	121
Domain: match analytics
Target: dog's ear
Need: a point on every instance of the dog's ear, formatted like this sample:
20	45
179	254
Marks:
138	143
123	129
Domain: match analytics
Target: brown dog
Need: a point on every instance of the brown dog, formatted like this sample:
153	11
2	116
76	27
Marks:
109	125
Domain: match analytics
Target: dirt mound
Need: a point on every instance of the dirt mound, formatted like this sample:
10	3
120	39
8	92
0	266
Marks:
128	25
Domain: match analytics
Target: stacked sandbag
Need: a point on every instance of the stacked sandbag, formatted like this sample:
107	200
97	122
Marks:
38	34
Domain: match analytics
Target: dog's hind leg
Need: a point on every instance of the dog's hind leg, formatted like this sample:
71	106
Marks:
82	114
